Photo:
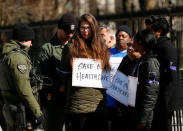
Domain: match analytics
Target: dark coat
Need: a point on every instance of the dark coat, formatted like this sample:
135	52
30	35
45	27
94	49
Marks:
167	56
48	62
170	93
147	71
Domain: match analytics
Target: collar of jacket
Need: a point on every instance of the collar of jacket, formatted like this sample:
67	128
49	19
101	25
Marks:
7	47
23	47
149	55
15	46
54	40
162	38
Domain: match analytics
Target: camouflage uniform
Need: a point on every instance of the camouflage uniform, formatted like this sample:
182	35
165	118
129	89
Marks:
52	99
15	83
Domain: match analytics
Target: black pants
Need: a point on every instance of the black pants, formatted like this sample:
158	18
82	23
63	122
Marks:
162	120
86	122
114	119
2	120
55	116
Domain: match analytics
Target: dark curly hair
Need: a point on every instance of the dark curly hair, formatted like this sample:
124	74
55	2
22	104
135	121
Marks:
162	24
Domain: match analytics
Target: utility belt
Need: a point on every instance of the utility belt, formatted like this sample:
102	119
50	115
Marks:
19	115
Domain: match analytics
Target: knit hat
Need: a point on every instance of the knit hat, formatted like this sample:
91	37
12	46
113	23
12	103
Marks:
23	32
68	23
124	28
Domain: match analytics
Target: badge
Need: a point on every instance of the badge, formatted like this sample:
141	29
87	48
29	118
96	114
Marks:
22	68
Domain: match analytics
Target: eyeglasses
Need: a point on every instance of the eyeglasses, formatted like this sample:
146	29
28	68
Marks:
85	28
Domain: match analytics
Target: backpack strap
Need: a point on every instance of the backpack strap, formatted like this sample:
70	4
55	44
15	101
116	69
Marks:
14	51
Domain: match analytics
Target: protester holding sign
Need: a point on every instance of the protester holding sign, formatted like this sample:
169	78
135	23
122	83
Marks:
86	106
141	62
123	36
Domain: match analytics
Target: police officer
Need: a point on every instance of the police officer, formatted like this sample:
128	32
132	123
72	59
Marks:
48	62
15	80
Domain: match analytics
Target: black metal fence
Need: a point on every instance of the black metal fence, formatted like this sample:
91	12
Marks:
177	121
177	118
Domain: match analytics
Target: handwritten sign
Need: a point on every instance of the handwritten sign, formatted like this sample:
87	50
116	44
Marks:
88	73
123	89
119	88
114	63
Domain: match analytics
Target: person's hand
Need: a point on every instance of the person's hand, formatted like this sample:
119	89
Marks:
130	54
39	120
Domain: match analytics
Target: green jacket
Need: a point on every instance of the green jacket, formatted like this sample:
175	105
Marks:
14	77
80	100
48	62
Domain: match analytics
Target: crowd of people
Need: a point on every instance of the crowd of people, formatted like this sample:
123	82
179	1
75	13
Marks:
147	55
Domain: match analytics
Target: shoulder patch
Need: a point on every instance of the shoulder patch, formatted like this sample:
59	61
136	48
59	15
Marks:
22	68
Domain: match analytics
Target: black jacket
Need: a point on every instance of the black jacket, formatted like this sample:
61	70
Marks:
170	93
147	71
169	90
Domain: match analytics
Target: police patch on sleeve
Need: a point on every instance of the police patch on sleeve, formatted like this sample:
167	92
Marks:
22	68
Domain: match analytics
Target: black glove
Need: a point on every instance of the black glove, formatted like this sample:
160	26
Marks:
39	120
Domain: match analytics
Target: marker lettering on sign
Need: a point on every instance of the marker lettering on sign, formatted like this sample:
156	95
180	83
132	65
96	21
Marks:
85	66
119	81
120	91
80	76
98	66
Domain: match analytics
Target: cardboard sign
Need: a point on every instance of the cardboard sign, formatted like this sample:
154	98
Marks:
88	73
123	89
119	88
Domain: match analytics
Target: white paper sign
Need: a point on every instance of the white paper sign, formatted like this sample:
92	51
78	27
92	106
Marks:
132	89
114	62
119	88
88	73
